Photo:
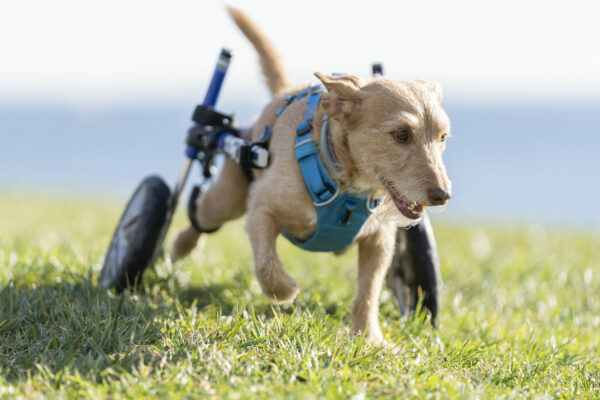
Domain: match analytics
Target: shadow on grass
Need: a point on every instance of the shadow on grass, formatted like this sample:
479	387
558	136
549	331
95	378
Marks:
232	296
49	328
210	296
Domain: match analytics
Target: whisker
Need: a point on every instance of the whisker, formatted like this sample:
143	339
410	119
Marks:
436	209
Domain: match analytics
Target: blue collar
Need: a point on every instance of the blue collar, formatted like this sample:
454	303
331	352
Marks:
327	151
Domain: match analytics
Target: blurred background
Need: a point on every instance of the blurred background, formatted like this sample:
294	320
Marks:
96	95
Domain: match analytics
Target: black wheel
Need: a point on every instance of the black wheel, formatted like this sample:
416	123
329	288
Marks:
137	235
416	266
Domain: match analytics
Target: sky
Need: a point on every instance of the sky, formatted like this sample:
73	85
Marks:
97	94
98	54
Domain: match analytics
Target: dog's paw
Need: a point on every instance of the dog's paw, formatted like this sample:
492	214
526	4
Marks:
280	286
373	335
379	341
375	339
185	243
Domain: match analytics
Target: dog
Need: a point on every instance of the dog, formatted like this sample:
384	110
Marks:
388	137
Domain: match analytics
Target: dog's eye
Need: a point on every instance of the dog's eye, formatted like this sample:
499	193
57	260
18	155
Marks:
401	136
443	137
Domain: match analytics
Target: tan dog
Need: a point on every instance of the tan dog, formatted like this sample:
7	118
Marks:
388	137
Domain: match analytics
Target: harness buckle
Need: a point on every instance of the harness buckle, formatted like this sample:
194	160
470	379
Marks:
332	198
303	127
350	205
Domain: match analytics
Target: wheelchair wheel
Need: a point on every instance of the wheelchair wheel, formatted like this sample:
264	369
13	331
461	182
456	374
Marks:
415	269
137	235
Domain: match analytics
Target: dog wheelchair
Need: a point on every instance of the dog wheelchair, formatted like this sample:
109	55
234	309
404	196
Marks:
414	276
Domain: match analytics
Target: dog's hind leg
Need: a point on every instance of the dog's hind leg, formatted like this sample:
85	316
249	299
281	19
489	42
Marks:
374	256
263	230
223	201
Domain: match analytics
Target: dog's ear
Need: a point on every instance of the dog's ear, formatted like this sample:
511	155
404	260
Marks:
346	87
434	88
342	98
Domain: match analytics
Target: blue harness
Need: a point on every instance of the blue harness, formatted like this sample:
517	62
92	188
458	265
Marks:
340	214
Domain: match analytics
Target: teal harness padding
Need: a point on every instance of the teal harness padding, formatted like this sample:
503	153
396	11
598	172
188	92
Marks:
341	214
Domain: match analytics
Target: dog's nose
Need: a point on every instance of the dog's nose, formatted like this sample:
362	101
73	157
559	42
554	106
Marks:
438	196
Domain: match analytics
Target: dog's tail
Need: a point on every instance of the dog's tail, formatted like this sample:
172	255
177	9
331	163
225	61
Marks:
270	62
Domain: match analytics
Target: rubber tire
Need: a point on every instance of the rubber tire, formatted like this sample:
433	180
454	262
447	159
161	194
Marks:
135	239
416	266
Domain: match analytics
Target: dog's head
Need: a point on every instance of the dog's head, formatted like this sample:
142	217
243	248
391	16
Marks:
395	135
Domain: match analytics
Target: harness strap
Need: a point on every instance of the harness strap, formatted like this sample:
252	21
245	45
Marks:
340	214
290	99
304	126
321	185
268	132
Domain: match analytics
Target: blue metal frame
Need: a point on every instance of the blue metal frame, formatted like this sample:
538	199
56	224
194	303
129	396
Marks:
216	82
213	91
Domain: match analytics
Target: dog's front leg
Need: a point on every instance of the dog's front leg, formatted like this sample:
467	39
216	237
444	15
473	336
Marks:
274	281
375	252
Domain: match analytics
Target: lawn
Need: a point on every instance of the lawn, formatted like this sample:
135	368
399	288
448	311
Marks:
520	317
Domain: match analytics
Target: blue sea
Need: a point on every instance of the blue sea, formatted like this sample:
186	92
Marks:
508	164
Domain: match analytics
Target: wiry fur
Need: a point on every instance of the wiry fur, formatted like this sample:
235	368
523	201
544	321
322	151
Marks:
270	62
363	115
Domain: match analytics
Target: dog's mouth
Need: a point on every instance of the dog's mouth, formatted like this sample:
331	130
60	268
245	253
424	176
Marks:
410	209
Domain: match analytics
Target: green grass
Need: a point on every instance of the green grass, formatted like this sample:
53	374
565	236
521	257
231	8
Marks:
520	318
